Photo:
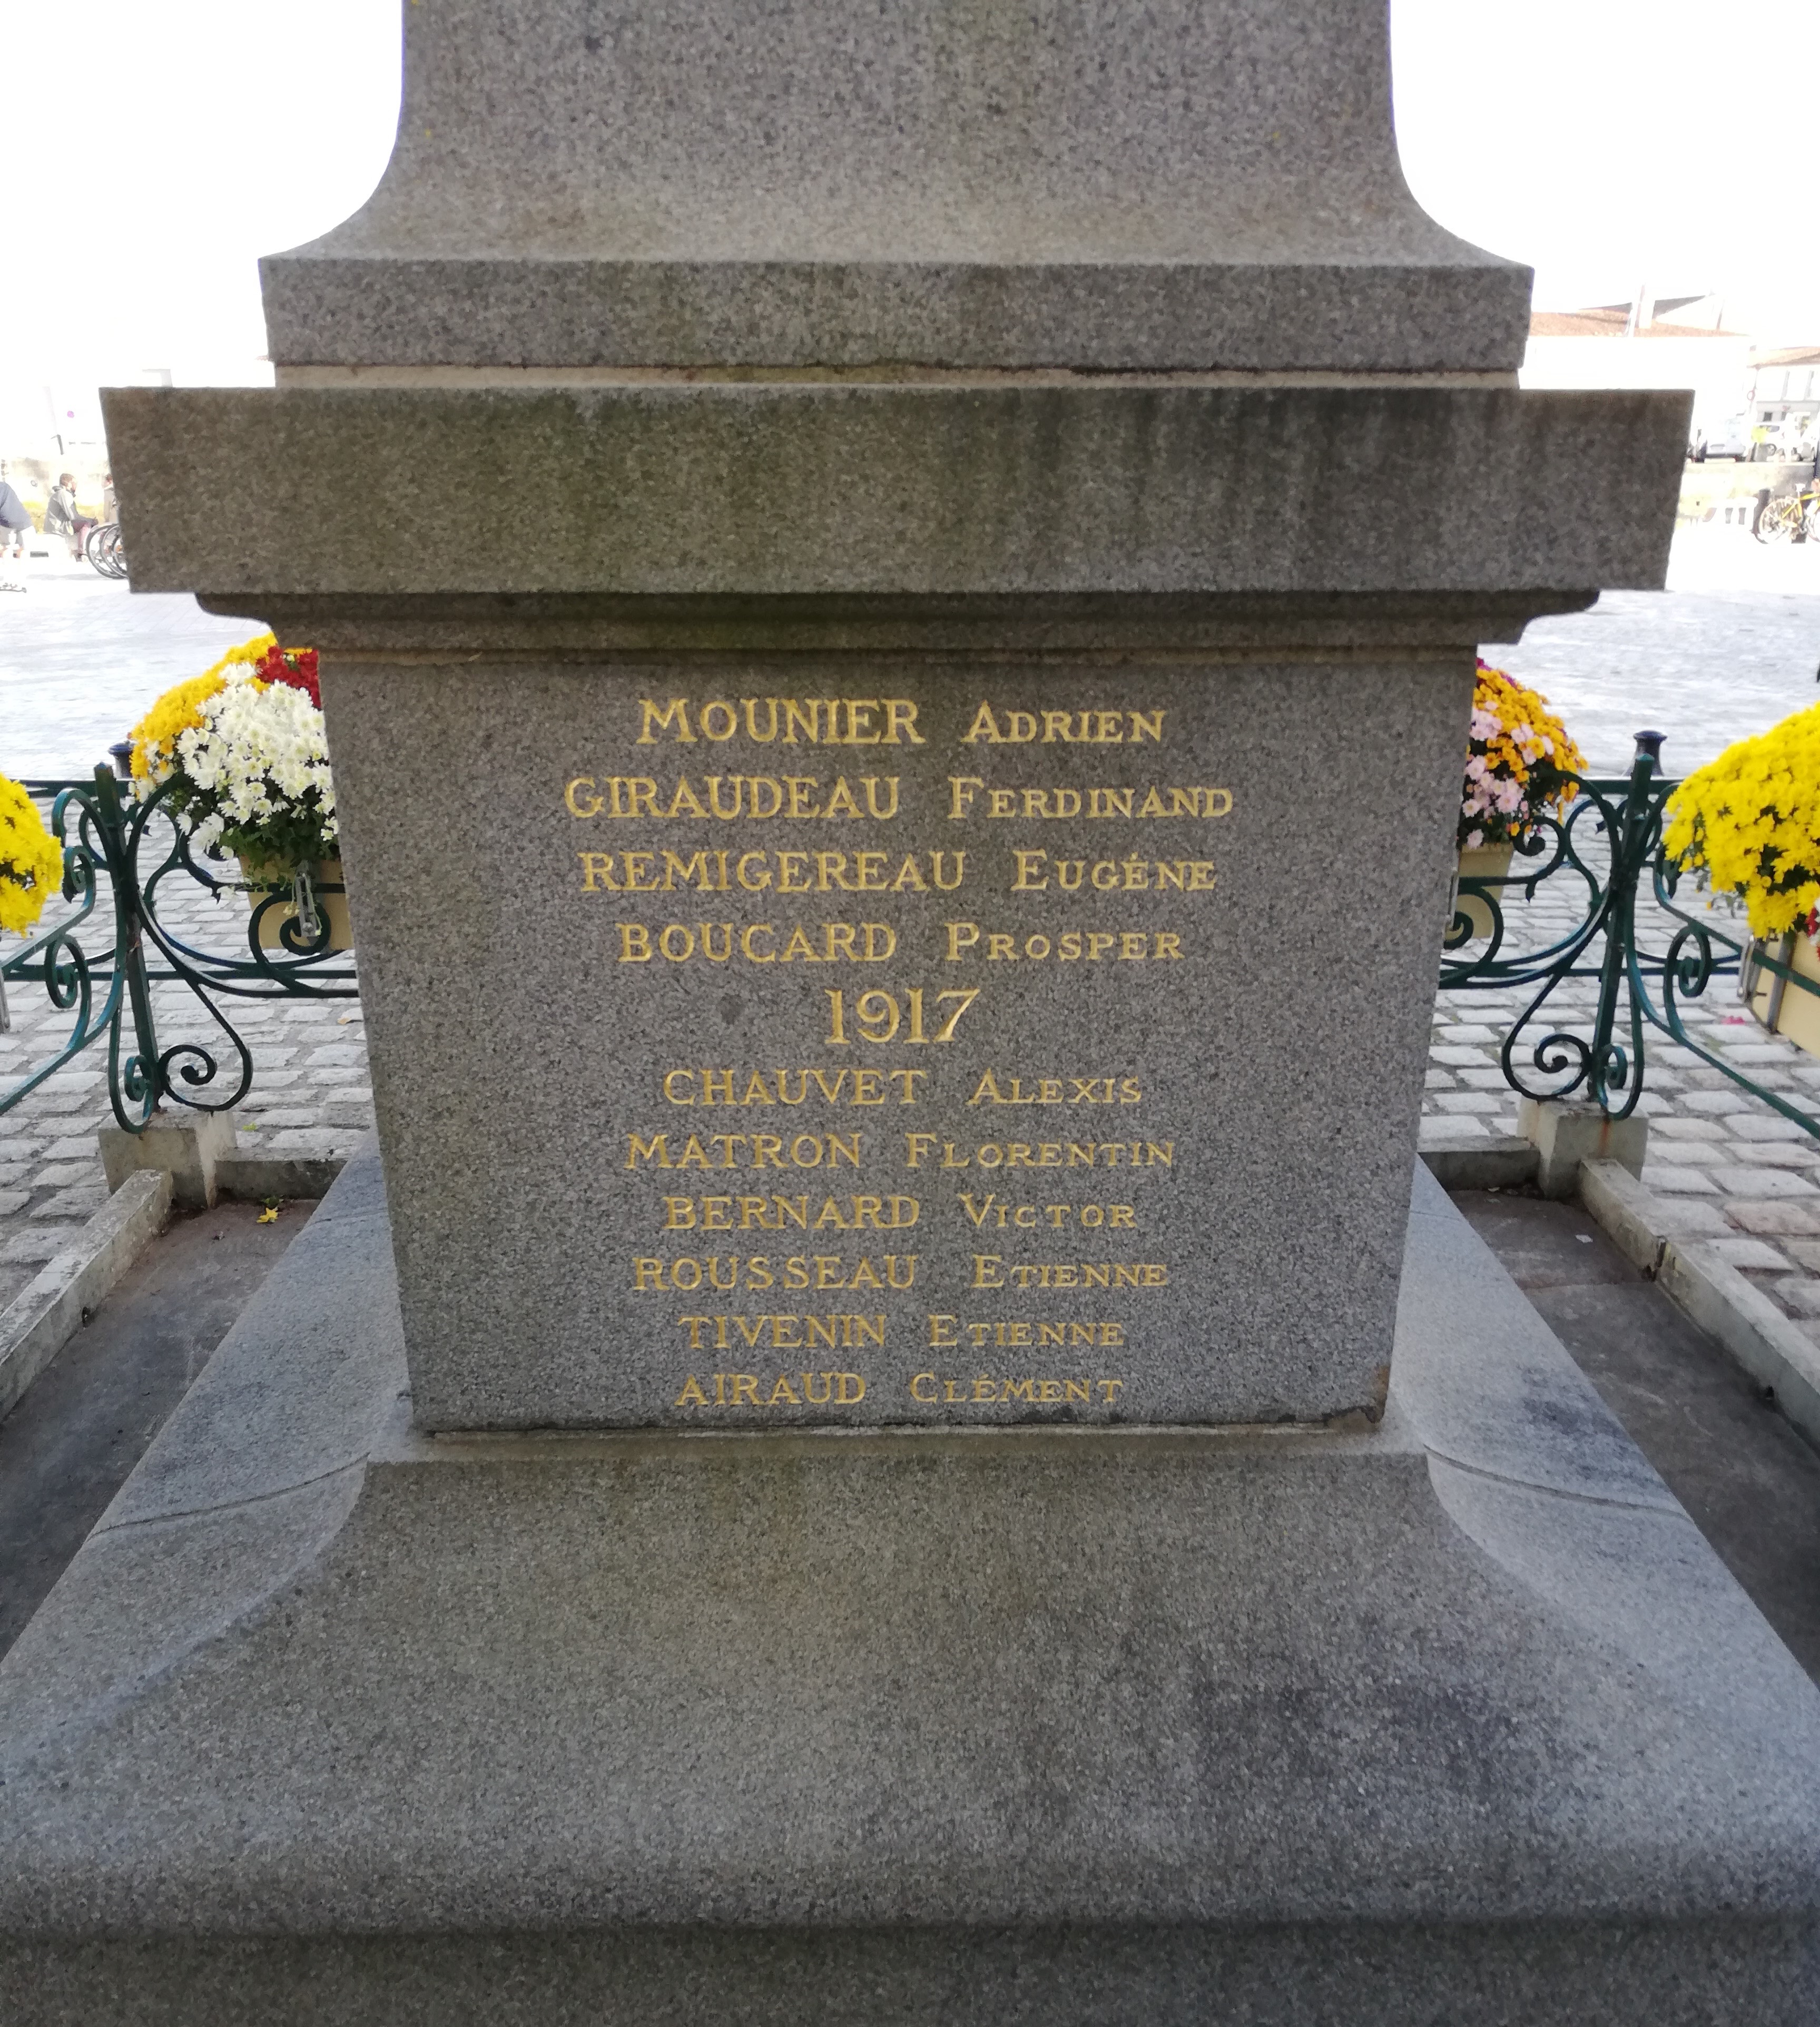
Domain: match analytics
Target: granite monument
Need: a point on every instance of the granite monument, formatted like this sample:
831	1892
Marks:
886	1434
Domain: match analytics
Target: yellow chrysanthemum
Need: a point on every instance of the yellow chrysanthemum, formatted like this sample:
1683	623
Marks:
179	709
30	859
1518	756
1748	823
1531	732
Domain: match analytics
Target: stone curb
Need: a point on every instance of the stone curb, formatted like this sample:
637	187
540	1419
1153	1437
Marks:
1673	1243
251	1177
49	1310
1752	1328
1479	1160
1640	1222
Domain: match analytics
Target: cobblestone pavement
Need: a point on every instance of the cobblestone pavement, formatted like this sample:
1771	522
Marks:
82	658
1640	660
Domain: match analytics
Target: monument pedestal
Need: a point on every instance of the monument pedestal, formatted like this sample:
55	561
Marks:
927	883
1031	493
1459	1718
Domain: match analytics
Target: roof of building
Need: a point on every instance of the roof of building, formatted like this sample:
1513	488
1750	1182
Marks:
1607	321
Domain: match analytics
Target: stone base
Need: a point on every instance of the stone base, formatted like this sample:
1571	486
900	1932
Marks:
1460	1720
188	1146
1564	1135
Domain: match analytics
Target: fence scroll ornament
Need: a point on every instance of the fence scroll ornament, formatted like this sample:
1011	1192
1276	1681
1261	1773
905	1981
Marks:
102	973
1609	842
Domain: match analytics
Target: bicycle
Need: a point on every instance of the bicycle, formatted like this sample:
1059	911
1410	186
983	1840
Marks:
103	549
1795	517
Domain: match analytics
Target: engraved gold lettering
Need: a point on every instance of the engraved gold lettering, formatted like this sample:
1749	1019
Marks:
801	715
673	718
900	722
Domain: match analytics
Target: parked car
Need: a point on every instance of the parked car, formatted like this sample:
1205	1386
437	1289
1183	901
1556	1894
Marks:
1730	438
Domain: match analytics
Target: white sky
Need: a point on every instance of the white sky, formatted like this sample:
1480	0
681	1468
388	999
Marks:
1591	137
1600	141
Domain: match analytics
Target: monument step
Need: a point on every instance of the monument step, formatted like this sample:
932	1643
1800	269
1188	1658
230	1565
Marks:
1269	1725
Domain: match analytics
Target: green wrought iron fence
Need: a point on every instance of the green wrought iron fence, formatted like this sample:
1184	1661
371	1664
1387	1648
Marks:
1648	964
100	964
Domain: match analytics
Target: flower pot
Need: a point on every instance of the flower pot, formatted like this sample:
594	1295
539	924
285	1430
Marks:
261	877
1485	862
1784	1009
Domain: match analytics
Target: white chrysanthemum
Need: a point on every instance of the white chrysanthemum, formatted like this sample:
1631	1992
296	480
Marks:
257	753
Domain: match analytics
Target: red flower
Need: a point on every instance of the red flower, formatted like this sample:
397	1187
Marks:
295	667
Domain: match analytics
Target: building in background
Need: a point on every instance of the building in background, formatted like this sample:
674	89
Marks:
1784	401
1654	341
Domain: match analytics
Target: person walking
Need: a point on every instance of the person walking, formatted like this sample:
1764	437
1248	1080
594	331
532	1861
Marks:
61	517
16	524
